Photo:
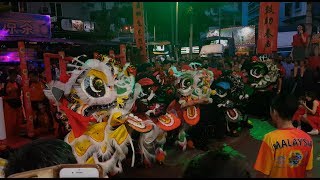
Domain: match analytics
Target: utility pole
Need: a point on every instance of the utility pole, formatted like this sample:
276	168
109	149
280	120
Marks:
146	32
191	37
172	29
154	33
177	29
219	25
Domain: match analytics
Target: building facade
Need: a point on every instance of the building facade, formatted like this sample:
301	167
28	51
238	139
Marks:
230	15
94	16
73	10
290	14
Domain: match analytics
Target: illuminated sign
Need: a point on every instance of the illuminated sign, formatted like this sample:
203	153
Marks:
195	49
242	35
186	50
223	42
26	25
242	50
158	48
77	25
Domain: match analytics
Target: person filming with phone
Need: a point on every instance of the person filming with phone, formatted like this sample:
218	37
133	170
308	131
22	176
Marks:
309	112
299	44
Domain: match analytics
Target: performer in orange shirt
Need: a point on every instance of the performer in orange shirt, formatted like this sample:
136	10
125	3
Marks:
286	152
12	104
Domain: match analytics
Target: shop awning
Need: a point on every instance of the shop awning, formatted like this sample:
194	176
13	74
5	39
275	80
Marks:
160	43
58	40
161	53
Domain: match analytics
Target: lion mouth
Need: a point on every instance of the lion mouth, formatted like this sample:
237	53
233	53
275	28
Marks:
192	112
94	108
233	114
255	74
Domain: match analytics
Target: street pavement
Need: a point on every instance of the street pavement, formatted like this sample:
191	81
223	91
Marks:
245	144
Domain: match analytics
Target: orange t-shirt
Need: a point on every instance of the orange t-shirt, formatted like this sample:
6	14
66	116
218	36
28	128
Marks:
285	153
36	91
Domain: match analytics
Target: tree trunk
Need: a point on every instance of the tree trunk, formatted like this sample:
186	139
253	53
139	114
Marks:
309	25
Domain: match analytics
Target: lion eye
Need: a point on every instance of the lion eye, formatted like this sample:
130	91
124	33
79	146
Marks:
186	83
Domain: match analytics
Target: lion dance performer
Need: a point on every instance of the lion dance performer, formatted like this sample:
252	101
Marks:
96	102
264	77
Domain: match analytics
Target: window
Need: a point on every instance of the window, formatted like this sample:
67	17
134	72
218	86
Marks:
59	9
44	10
288	8
53	9
22	6
15	6
56	9
90	5
297	6
103	5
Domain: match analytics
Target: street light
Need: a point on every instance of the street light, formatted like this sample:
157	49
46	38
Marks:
177	18
219	25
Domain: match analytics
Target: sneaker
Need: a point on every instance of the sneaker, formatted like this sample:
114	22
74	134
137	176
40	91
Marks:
314	132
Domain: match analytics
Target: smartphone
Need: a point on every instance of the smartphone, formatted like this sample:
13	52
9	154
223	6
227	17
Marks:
79	171
63	171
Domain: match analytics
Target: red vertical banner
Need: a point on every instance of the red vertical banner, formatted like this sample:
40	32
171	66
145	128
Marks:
25	88
268	27
138	24
123	54
47	69
62	64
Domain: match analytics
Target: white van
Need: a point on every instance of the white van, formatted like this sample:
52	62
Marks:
216	50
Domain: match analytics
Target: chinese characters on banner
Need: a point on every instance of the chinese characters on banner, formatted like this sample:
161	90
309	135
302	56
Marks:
138	24
268	27
25	88
26	25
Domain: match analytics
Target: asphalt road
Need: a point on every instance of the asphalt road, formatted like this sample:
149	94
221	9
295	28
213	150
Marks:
176	160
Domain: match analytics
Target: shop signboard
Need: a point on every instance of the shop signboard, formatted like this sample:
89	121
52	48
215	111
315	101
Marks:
186	50
244	35
25	25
